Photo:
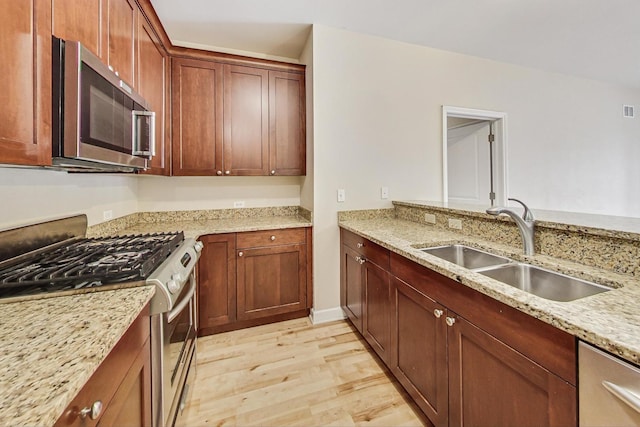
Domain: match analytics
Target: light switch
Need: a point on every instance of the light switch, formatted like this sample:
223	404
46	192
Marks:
384	192
341	195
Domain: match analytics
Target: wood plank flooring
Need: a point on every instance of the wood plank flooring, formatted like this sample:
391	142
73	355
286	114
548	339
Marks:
294	374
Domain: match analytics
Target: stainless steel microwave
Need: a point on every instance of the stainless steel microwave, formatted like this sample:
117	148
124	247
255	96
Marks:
99	122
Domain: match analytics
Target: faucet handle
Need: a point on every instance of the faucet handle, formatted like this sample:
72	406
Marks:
527	215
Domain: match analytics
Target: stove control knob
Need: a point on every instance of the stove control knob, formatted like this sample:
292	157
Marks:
173	286
198	246
177	277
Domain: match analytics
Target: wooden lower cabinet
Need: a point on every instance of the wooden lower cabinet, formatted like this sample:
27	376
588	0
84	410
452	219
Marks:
252	278
420	362
122	383
463	357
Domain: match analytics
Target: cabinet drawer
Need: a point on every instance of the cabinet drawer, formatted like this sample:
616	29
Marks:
371	251
257	239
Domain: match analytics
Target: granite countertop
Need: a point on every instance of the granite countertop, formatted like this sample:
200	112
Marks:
51	347
609	320
196	228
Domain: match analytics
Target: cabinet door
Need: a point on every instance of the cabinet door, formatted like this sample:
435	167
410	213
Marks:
287	140
121	35
25	87
131	404
351	294
420	346
271	280
79	20
494	385
197	96
152	85
216	282
246	120
377	306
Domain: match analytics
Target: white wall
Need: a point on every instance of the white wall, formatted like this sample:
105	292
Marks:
377	121
306	191
192	193
31	195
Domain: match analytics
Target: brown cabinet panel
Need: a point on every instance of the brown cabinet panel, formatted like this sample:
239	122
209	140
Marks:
377	305
246	120
216	282
25	88
492	384
122	383
271	237
420	359
351	290
121	35
197	96
371	251
271	280
152	85
287	138
79	20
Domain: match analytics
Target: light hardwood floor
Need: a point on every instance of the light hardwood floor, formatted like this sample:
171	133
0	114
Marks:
293	374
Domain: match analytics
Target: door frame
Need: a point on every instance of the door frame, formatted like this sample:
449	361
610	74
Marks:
499	120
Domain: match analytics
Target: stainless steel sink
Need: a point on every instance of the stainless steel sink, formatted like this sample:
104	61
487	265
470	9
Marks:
544	283
465	256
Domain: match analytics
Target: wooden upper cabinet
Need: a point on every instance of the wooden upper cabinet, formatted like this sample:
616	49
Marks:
197	97
121	35
287	136
152	70
25	87
79	20
246	121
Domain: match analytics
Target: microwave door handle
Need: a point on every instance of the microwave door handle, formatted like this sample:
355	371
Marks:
152	133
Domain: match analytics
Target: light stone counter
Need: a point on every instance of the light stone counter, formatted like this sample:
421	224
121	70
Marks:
610	320
50	347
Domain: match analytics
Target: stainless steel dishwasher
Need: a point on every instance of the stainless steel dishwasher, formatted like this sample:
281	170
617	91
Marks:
609	389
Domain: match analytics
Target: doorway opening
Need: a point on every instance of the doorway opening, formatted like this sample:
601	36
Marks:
474	156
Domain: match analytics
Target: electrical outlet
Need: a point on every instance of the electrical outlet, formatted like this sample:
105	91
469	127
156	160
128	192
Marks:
238	204
341	195
384	192
107	215
429	218
455	224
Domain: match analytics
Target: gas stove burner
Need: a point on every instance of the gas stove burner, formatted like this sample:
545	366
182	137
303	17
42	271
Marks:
88	263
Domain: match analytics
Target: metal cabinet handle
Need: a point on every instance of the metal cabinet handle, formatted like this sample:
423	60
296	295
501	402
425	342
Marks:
272	238
359	245
273	172
361	260
93	411
437	312
450	321
627	396
240	253
227	172
219	173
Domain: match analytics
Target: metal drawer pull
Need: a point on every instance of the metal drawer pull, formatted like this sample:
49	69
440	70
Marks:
360	260
450	321
272	238
359	245
93	411
627	396
437	312
240	253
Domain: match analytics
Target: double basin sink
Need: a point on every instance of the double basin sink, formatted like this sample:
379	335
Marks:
529	278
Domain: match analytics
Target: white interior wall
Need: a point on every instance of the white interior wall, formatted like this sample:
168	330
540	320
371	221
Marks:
192	193
31	195
306	190
377	121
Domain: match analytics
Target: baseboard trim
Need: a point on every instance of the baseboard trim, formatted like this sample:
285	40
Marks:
328	315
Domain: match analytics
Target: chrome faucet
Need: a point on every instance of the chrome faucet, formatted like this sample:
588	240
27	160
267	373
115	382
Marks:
525	224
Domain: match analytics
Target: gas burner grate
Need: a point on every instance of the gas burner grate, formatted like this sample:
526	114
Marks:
88	263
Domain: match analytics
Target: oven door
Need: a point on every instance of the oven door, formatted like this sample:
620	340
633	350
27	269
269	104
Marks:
179	335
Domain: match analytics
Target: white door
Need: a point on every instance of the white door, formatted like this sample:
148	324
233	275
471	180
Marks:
468	171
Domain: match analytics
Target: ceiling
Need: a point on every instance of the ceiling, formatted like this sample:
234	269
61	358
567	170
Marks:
597	39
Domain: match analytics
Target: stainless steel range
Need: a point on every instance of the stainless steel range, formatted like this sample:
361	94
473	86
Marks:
54	258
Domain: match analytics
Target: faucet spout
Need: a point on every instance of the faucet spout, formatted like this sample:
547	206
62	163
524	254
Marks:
525	223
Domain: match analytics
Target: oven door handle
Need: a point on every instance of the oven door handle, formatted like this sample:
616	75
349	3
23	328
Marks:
186	300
